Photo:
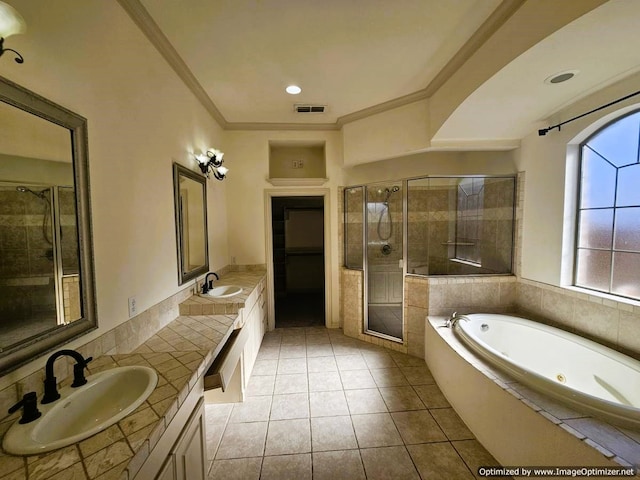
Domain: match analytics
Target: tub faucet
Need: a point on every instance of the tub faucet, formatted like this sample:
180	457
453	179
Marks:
50	384
453	319
208	284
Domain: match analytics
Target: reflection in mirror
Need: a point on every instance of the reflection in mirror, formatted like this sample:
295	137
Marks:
46	271
190	197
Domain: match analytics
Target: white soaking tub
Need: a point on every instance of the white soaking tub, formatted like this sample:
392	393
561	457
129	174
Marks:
584	374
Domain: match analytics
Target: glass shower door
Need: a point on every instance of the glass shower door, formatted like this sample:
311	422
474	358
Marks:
384	265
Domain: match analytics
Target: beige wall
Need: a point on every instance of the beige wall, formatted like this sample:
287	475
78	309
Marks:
247	156
396	132
432	163
90	58
549	194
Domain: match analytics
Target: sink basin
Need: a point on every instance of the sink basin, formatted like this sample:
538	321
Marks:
106	398
224	291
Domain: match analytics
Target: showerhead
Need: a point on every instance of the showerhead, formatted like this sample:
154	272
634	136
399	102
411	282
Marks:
24	189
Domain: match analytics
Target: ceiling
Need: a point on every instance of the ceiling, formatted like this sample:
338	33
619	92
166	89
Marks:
354	55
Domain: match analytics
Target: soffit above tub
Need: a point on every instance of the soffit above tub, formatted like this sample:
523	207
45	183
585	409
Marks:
348	55
516	101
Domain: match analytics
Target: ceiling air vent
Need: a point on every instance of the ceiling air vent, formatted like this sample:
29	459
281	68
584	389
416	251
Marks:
300	108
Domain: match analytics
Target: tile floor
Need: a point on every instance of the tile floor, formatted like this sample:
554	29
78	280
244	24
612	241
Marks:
324	406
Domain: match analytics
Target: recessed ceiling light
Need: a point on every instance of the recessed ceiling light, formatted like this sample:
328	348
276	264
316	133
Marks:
561	77
293	89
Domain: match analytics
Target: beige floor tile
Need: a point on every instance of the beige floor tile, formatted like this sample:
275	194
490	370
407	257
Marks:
291	383
439	461
214	434
332	433
338	465
375	430
431	396
355	379
286	437
322	364
318	340
328	404
319	350
324	381
236	469
292	365
253	409
345	348
474	455
260	385
378	360
400	399
290	406
389	463
294	339
366	400
388	377
242	440
264	367
293	351
351	362
268	353
418	427
287	467
404	360
218	412
451	424
418	375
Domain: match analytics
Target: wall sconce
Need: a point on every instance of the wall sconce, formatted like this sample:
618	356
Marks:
212	163
11	23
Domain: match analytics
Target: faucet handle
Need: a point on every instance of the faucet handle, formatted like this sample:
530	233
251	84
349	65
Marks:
29	404
78	373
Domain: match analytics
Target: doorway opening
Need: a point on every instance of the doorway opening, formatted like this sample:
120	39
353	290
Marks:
298	261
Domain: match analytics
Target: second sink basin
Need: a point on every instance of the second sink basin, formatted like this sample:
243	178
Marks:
224	291
106	398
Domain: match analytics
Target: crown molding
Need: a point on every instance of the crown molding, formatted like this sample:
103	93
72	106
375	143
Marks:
280	126
158	39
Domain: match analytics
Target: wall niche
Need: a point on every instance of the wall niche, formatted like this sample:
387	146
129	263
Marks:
297	163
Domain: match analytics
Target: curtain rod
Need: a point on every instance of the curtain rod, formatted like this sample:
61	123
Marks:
543	131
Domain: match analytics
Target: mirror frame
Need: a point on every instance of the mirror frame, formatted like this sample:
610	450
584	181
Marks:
19	97
179	170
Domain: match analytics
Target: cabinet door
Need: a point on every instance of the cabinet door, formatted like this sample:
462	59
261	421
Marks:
189	452
168	470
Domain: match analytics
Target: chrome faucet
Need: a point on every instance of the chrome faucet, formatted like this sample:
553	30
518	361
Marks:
208	284
453	319
50	384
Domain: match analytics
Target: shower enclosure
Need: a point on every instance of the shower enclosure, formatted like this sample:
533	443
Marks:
429	226
384	265
39	268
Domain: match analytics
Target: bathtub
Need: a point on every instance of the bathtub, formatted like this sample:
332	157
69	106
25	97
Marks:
583	374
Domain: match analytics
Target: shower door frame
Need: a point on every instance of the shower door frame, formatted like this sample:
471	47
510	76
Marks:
365	262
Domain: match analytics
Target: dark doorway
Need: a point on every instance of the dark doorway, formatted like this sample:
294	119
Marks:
298	261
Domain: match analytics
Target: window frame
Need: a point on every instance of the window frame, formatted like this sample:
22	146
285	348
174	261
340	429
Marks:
578	208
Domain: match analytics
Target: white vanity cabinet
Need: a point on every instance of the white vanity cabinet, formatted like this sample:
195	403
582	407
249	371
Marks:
187	459
228	376
189	452
180	453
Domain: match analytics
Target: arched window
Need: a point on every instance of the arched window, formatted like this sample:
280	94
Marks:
608	233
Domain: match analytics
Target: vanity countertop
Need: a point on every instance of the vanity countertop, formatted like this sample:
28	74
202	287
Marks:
180	353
